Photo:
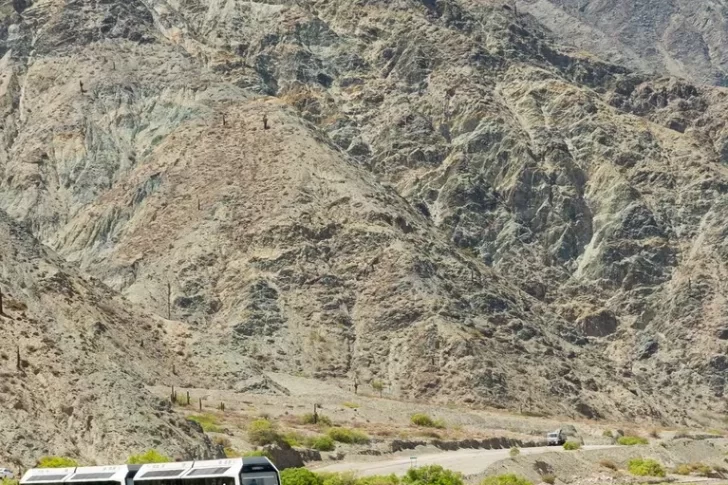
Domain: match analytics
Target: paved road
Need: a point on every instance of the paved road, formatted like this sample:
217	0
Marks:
467	462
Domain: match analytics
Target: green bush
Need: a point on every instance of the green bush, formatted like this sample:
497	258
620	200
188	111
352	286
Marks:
507	479
263	432
632	440
337	479
607	434
346	435
644	467
572	445
515	451
432	475
209	422
293	439
379	480
151	456
323	443
9	481
308	418
425	421
57	462
299	476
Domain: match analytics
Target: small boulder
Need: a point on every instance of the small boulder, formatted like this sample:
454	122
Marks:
599	324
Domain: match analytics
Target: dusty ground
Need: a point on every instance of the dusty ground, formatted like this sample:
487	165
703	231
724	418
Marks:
382	418
588	465
468	462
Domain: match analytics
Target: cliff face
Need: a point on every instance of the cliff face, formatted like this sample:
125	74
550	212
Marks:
432	194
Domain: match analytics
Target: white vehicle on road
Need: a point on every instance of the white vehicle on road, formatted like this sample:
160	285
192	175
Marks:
555	438
236	471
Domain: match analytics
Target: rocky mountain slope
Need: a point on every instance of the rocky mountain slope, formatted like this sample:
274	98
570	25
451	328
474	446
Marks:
432	194
74	362
679	38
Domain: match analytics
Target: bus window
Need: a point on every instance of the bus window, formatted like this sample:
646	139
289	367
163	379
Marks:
264	478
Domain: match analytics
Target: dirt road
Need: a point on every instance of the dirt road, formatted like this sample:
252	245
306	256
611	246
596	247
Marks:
467	462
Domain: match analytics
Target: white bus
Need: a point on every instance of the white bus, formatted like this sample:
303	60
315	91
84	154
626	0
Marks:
234	471
90	475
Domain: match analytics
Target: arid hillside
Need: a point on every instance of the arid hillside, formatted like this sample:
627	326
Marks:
434	195
75	361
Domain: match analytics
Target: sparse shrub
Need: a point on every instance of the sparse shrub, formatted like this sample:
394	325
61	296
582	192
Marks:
654	433
346	435
423	420
299	476
632	440
232	453
151	456
378	386
572	445
507	479
264	453
682	470
9	481
323	443
550	479
351	405
645	467
56	462
263	432
221	441
209	422
432	475
608	433
309	418
429	433
682	435
703	470
515	451
608	464
698	468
